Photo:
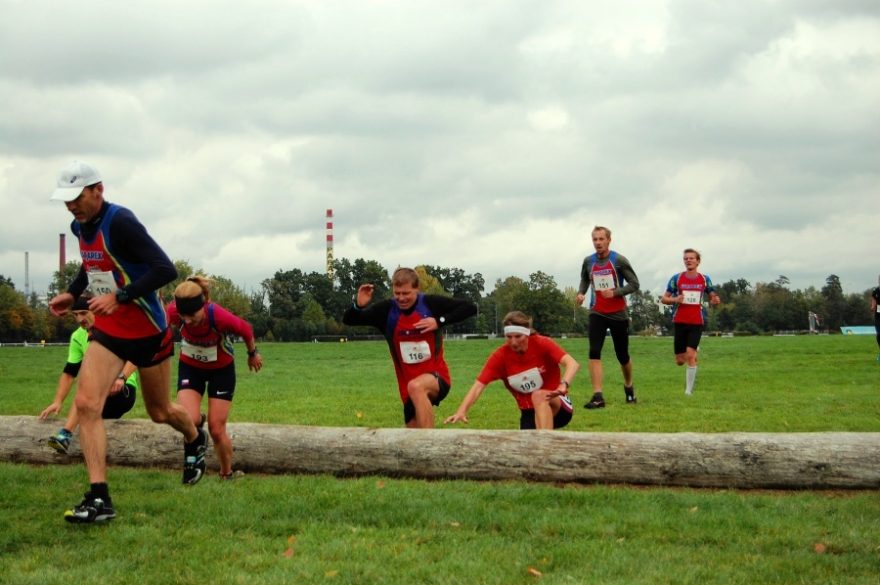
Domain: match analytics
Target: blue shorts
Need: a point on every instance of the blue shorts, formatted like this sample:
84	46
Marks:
219	382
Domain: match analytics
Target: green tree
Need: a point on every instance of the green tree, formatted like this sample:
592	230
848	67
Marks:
486	318
506	297
230	296
857	309
17	319
457	283
350	275
61	280
260	314
736	310
290	294
184	271
428	284
580	314
313	319
546	304
776	308
645	311
835	304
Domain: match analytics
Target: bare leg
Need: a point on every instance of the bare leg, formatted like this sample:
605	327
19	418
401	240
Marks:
191	401
99	368
72	418
543	410
155	382
422	389
218	415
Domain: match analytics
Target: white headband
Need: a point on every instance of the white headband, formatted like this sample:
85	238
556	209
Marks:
508	329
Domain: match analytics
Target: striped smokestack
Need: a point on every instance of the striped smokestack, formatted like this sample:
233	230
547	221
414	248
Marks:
330	273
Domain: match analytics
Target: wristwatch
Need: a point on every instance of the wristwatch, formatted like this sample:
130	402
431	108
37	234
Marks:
441	320
122	295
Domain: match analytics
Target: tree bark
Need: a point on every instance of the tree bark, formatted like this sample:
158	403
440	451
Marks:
736	460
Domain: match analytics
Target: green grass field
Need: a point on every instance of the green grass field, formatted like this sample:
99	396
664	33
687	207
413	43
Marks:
318	529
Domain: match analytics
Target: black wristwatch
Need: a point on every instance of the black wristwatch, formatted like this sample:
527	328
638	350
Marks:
253	353
122	295
441	320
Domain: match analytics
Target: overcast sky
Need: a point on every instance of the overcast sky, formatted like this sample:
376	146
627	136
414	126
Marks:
485	135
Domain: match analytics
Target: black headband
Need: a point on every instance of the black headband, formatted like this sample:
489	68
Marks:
80	304
189	305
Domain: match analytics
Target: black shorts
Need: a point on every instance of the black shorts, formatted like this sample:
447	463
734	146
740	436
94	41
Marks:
560	419
598	326
219	382
142	351
118	404
686	335
409	409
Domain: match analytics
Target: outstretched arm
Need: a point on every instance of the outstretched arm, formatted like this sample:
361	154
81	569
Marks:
65	383
469	399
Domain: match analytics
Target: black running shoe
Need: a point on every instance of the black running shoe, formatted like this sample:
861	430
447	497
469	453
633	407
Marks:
90	511
630	395
194	458
597	401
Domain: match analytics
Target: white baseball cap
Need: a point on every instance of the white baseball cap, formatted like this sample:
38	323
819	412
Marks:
72	179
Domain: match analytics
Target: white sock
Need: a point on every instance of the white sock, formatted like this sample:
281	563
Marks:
691	377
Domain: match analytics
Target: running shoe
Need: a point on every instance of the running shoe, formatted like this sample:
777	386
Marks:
597	401
194	458
61	441
90	511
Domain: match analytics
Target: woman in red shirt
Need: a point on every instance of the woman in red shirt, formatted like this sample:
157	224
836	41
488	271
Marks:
529	365
207	361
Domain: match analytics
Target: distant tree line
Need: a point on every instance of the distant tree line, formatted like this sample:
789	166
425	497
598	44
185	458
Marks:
294	305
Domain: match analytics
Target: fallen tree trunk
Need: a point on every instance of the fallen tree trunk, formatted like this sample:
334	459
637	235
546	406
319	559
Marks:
740	460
